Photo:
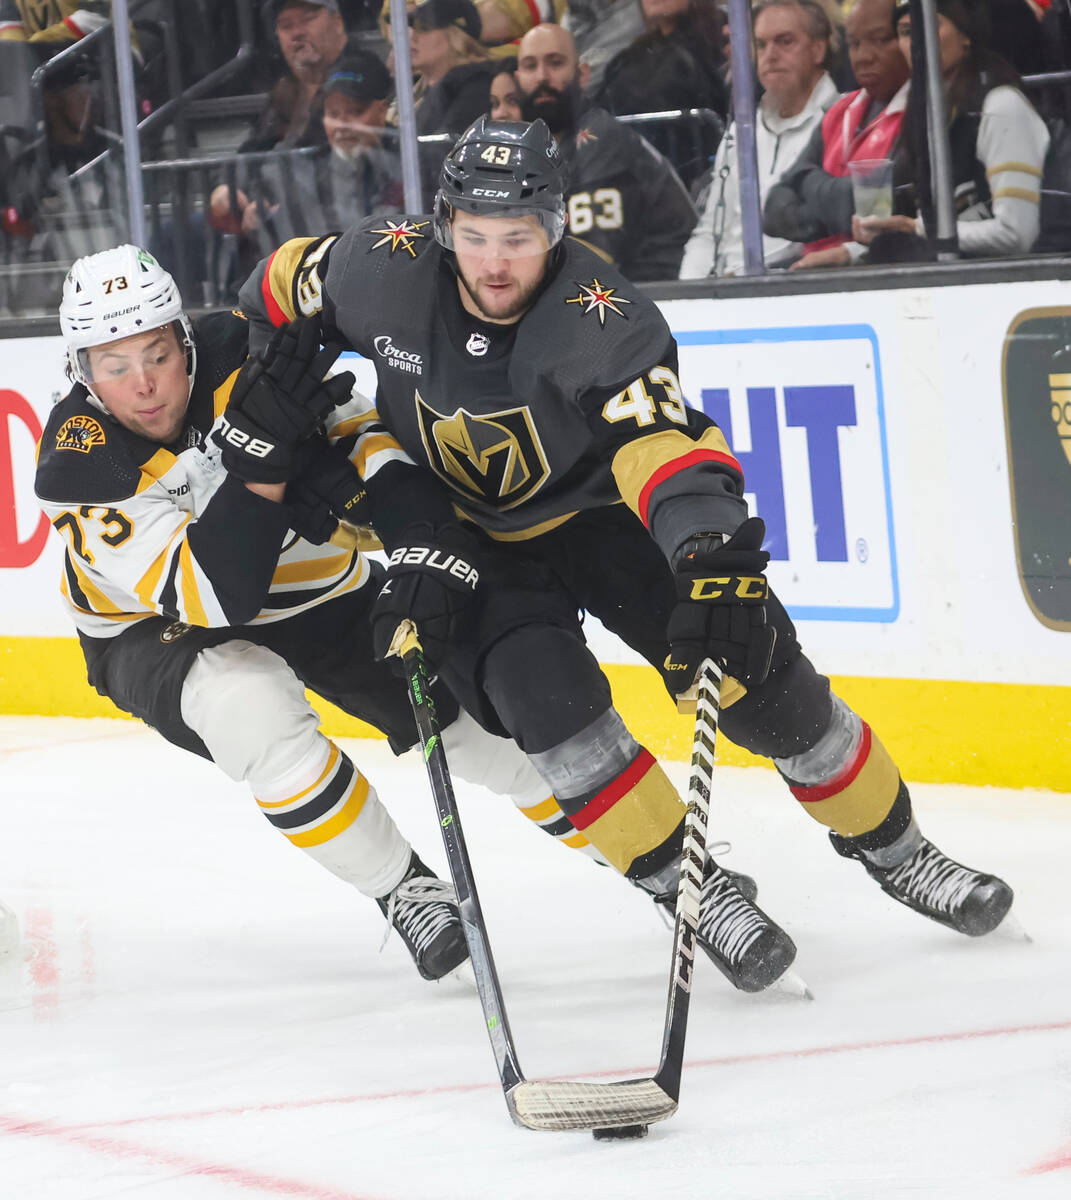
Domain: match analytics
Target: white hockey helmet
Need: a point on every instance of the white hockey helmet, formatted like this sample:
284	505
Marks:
116	294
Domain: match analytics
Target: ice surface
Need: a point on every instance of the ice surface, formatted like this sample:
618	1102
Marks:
197	1011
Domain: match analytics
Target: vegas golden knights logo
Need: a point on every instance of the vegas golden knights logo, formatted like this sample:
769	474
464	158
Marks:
1037	417
497	457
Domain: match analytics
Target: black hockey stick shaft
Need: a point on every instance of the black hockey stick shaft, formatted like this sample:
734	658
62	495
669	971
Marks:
407	645
693	860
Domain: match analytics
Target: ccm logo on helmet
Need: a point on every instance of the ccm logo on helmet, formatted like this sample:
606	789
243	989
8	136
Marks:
493	193
424	556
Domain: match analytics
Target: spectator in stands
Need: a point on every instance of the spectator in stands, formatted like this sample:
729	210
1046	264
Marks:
71	97
454	71
602	29
357	174
813	201
676	64
998	145
507	20
624	198
312	38
505	97
453	64
794	42
501	21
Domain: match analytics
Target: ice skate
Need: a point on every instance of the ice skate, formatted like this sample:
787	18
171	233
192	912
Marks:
423	909
739	938
933	884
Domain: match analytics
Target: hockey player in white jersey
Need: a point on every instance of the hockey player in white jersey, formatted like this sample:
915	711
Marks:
205	591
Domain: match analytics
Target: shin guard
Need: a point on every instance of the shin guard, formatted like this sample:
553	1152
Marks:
848	782
614	793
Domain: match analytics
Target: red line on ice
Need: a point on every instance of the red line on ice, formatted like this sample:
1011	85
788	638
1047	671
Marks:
240	1176
1061	1161
691	1065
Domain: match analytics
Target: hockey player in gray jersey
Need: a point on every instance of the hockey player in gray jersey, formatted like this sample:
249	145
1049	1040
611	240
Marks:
205	591
540	389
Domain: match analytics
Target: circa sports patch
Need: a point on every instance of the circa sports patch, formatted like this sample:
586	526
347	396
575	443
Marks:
80	433
398	235
597	298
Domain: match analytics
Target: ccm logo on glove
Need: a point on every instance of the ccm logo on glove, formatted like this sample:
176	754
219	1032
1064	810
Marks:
242	441
427	556
743	587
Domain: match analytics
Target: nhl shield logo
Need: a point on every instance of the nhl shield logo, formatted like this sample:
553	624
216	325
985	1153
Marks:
80	433
172	633
497	457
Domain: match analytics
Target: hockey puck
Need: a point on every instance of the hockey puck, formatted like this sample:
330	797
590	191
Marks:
619	1133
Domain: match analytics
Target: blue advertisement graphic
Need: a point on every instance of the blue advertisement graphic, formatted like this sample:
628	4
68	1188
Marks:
823	413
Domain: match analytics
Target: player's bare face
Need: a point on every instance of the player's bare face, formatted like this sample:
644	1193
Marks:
501	261
142	381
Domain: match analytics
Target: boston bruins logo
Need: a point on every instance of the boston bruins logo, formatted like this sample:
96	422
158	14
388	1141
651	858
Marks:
497	457
80	433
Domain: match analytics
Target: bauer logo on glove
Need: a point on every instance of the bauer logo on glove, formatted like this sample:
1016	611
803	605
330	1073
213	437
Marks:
436	560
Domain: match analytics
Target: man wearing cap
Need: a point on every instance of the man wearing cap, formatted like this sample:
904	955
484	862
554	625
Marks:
311	38
357	174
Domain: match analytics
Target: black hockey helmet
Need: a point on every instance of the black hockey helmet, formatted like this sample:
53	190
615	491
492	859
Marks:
503	169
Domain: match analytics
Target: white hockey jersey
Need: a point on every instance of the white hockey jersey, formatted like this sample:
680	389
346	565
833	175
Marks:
165	531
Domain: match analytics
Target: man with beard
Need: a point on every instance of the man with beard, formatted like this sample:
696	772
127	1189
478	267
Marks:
625	200
555	468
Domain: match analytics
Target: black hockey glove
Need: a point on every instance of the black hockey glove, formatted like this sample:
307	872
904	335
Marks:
325	488
721	608
431	580
278	399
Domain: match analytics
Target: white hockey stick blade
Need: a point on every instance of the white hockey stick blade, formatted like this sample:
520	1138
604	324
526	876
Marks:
561	1104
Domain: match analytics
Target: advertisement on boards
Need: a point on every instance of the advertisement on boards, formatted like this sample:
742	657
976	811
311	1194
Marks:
30	556
1037	419
804	411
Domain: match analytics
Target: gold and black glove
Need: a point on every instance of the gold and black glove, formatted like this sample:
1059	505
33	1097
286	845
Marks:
721	608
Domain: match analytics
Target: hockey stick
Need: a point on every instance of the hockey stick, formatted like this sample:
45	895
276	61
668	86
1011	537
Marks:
561	1104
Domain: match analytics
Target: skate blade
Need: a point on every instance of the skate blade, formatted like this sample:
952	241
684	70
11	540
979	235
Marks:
1011	930
461	976
789	986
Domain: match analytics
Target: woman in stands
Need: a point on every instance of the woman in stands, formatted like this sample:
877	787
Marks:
998	147
677	63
